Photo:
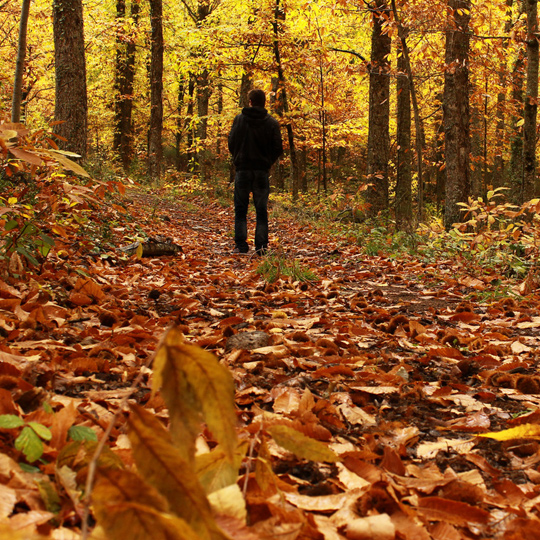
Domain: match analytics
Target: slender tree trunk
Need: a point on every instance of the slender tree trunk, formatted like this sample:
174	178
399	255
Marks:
124	84
191	150
438	158
277	105
516	134
71	106
403	202
155	149
530	182
500	132
180	125
410	94
456	110
379	111
19	66
282	99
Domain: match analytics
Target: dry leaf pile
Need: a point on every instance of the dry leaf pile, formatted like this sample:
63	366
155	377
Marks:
374	403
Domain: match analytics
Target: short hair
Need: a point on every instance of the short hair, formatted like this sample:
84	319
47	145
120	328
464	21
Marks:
257	98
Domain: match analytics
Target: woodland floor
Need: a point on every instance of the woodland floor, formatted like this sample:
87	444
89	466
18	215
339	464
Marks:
393	363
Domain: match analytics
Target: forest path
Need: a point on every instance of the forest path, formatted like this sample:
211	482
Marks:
402	371
382	359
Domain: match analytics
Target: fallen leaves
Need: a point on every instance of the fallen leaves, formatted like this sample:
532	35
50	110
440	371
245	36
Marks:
372	404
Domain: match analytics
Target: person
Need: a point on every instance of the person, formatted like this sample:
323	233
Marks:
255	145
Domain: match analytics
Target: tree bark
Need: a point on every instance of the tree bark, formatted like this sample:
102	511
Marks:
456	110
281	98
124	81
530	182
515	172
71	105
155	148
19	66
403	202
500	131
379	111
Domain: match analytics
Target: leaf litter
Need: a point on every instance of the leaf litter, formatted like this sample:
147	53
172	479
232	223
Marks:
382	401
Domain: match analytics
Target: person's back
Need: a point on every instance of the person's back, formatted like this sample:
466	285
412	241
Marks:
255	144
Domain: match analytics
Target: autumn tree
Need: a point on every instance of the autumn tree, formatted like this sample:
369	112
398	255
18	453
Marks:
281	96
530	182
19	68
155	144
71	107
456	116
379	109
124	82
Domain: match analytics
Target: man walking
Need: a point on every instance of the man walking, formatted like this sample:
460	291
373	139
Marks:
255	144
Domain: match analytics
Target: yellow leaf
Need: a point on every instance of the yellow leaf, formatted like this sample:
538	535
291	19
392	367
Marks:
115	486
229	501
520	122
192	383
139	252
66	162
12	200
264	474
214	469
138	522
525	431
300	445
162	466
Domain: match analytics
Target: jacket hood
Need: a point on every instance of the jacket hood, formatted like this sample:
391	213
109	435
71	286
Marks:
255	113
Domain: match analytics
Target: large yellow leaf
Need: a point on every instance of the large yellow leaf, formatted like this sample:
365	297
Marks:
138	522
300	445
114	486
215	470
162	466
192	382
525	431
66	163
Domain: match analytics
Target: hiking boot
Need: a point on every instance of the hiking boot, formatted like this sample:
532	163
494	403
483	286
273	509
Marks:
238	251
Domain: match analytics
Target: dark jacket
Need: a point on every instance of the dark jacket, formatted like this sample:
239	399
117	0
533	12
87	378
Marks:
255	140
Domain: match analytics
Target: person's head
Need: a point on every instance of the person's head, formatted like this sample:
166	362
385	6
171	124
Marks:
257	98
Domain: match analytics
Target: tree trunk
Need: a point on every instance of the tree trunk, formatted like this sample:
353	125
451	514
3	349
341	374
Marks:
191	150
71	106
281	98
403	202
456	110
155	149
124	80
379	111
438	157
498	161
19	66
515	172
530	182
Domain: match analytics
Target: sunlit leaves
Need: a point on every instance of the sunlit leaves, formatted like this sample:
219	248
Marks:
195	386
524	431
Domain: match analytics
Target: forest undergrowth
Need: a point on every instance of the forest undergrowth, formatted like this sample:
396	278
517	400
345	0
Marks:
354	383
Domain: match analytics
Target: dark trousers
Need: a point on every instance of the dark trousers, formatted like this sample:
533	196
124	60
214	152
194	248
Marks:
258	183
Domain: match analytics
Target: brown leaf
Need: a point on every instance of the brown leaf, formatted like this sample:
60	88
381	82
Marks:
300	445
455	512
161	465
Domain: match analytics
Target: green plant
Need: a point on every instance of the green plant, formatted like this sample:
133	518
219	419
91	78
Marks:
30	438
275	266
38	202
